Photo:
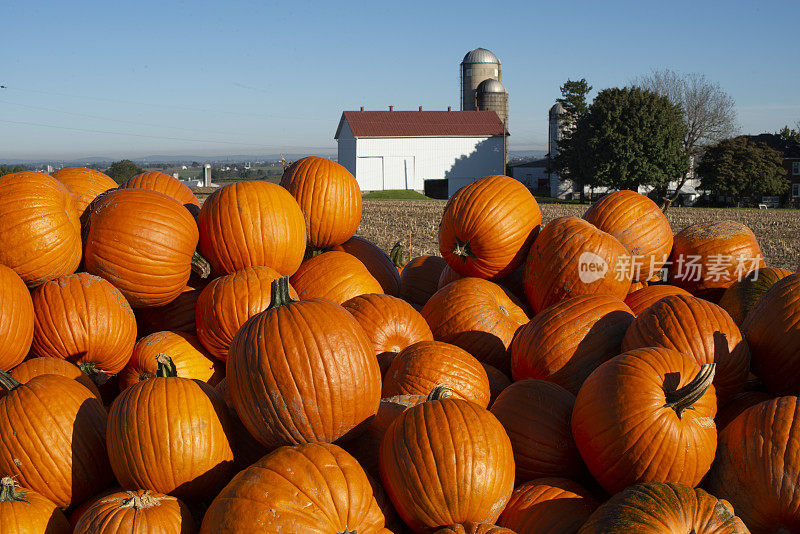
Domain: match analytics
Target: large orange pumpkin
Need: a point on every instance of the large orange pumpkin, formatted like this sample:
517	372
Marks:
40	229
572	257
84	184
329	197
698	329
23	511
335	276
391	324
170	435
54	438
377	262
144	243
548	506
251	224
645	297
313	487
420	279
136	512
566	342
473	528
639	224
708	257
177	316
488	226
31	367
738	403
647	416
772	329
164	183
742	295
473	475
310	353
86	320
16	319
228	301
536	415
477	315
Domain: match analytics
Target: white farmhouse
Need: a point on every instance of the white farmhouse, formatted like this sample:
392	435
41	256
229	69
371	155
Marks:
421	150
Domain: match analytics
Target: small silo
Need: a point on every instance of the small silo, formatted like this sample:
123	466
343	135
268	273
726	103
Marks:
556	130
478	65
492	96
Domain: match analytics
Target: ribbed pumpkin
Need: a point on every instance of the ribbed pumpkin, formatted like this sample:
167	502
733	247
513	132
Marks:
177	316
23	511
772	329
566	342
643	298
639	224
54	438
420	367
498	380
164	183
190	359
16	319
85	320
84	184
743	294
722	251
305	488
170	435
335	276
246	449
40	230
477	315
548	506
647	415
572	257
228	301
474	465
377	262
136	512
25	371
448	275
737	404
420	279
488	226
251	224
391	324
473	528
698	329
329	196
536	415
757	466
662	508
310	353
143	242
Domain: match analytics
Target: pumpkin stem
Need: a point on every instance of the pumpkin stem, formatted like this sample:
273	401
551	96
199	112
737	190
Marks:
8	382
279	293
8	491
141	502
396	254
440	392
313	252
98	376
200	265
166	367
683	398
462	249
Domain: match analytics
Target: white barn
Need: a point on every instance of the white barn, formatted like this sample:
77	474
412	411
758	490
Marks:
406	149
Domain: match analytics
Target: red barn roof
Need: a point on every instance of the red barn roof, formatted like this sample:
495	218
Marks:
422	123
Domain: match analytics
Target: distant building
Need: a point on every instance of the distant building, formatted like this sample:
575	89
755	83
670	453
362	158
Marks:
533	174
791	160
430	151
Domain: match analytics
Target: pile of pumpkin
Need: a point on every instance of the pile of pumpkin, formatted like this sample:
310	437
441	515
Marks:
249	365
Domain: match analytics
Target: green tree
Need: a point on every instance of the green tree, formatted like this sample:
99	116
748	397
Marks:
790	135
123	170
743	168
628	137
8	170
573	98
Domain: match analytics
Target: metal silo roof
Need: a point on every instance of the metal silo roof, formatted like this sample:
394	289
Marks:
490	85
557	109
480	55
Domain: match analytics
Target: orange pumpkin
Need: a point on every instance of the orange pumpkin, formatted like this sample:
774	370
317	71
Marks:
566	342
335	276
548	506
737	404
190	359
643	298
743	294
251	224
166	184
473	528
23	511
246	449
25	371
377	262
40	227
136	512
84	184
639	224
477	315
144	243
572	257
329	197
86	320
488	226
16	319
177	316
498	381
448	275
420	279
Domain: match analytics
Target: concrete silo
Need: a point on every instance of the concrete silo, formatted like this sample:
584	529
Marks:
492	96
478	65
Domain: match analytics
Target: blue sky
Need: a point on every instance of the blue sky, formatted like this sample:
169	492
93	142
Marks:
215	78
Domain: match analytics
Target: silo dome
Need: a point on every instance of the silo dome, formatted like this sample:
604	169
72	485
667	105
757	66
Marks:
491	86
556	110
480	55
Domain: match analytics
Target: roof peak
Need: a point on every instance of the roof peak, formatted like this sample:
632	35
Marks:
480	55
